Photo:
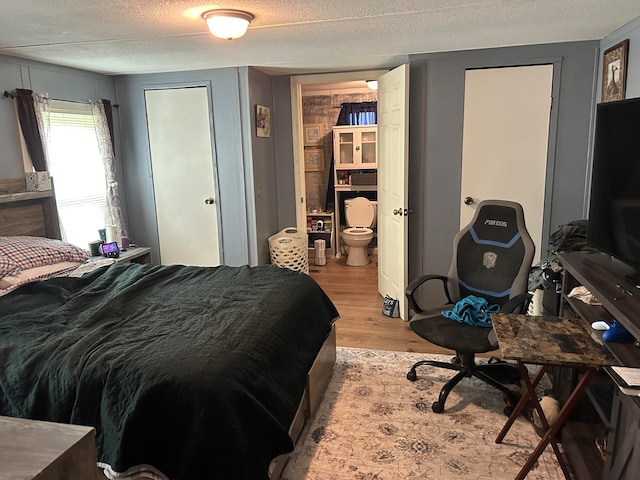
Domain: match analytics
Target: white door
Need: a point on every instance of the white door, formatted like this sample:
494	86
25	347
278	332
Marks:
505	141
393	197
178	122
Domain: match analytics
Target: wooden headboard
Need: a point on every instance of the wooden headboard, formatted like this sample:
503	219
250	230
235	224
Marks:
27	213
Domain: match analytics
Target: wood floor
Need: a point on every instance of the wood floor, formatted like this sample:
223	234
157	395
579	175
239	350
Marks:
354	291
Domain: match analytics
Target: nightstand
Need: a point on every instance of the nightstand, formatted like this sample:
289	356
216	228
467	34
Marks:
32	449
135	255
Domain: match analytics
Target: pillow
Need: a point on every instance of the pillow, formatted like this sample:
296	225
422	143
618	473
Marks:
43	272
31	252
8	266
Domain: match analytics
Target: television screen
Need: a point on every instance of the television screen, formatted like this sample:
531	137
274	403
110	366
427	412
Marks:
614	212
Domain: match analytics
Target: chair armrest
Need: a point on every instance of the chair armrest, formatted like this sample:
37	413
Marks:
412	287
517	304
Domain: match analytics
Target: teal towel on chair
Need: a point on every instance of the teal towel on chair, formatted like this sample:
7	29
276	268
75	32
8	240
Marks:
472	310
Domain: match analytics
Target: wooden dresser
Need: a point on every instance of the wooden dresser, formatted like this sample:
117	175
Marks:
32	449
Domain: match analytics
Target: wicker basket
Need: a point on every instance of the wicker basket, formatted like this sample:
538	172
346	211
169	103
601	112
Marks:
289	249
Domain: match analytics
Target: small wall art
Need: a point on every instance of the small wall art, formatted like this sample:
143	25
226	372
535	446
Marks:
314	159
263	121
313	134
614	72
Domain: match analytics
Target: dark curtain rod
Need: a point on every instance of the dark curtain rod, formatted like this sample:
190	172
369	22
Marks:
355	103
8	94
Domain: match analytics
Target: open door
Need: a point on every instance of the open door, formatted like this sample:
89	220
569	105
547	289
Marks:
393	196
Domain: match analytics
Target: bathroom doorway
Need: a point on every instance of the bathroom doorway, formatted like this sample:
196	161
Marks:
393	144
329	84
325	105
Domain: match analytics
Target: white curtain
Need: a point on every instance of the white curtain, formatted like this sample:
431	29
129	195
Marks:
108	157
42	106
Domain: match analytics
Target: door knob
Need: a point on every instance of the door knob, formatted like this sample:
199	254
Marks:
397	211
209	201
468	201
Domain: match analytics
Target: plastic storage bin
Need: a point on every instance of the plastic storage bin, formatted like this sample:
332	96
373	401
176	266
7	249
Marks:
289	249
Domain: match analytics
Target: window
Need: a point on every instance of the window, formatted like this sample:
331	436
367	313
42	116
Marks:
78	172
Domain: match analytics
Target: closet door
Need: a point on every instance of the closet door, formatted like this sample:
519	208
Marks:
506	140
184	180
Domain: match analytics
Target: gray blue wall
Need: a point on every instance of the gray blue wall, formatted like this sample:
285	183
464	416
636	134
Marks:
630	31
60	83
265	177
436	120
232	156
436	132
285	176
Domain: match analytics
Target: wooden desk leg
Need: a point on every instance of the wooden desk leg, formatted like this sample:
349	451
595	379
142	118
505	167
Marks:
529	393
545	425
562	416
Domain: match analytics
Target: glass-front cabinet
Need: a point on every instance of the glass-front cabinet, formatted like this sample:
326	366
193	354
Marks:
355	146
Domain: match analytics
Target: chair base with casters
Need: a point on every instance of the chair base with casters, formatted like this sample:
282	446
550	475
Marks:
448	333
466	367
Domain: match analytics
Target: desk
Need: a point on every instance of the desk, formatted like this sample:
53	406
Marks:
546	341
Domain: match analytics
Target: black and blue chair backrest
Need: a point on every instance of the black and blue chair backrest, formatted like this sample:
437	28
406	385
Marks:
493	254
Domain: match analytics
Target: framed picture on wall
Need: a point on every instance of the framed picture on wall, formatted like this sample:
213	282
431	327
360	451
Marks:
614	72
263	121
313	134
314	159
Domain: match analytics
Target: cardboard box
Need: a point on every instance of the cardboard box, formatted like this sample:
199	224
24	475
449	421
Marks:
38	181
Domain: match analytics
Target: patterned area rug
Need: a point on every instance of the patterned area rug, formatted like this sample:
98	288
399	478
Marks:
374	424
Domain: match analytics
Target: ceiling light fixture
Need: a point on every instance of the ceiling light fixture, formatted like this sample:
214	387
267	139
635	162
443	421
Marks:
227	24
372	84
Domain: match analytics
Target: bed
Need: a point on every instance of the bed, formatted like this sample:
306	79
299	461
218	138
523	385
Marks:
185	372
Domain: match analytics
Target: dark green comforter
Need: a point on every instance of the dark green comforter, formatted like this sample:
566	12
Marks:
192	370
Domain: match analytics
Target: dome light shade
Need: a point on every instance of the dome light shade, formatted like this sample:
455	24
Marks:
227	24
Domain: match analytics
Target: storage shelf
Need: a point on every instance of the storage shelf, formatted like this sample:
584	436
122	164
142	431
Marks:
609	418
320	214
626	353
600	393
579	441
327	235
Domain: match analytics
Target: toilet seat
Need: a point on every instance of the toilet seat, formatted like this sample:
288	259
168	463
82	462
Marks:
360	213
358	231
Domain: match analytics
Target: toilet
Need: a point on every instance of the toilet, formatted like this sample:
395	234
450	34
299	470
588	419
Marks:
360	213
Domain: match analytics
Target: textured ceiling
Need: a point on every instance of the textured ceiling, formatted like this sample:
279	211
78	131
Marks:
289	36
